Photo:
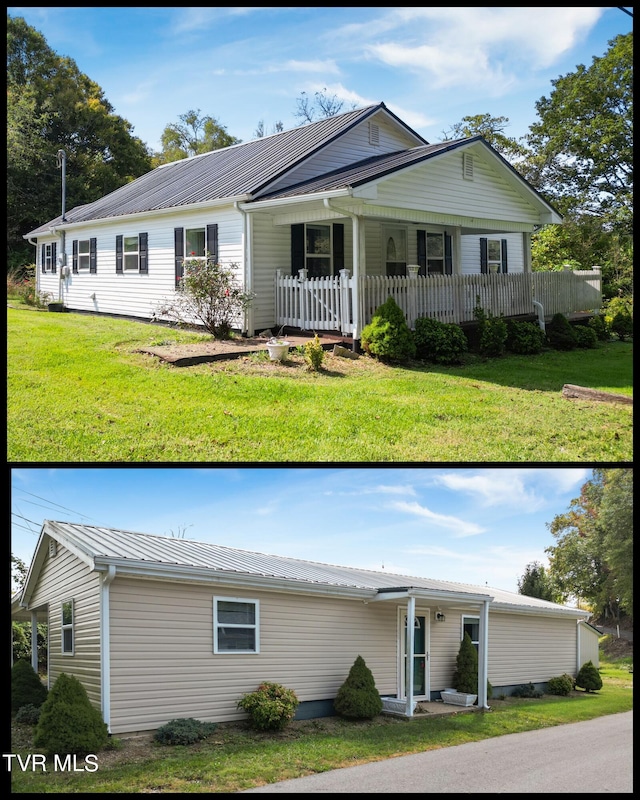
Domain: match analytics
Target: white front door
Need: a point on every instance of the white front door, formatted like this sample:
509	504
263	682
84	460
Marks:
420	654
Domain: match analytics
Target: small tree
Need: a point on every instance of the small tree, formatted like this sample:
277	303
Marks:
589	678
68	722
26	686
465	677
358	697
208	294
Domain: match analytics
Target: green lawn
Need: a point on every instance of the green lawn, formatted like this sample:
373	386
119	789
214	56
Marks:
235	758
78	391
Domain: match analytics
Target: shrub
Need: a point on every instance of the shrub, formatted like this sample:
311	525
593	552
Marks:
524	338
585	337
26	686
69	723
185	730
492	333
208	294
622	325
562	684
560	334
441	342
271	707
387	336
465	676
314	353
28	715
358	697
526	690
588	678
599	325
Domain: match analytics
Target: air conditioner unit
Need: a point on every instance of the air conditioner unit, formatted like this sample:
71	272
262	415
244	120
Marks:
440	616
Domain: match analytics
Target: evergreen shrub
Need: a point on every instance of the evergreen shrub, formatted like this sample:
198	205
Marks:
526	690
622	325
28	715
560	333
586	337
599	325
441	342
562	685
271	707
185	730
26	686
465	676
524	338
492	333
588	678
68	722
313	354
387	336
358	697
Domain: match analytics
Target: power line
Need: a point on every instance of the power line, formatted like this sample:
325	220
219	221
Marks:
51	504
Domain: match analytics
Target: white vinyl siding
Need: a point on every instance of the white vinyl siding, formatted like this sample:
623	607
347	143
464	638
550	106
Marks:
163	665
588	643
471	252
64	577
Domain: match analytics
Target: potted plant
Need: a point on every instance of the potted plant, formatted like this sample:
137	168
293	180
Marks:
278	348
465	676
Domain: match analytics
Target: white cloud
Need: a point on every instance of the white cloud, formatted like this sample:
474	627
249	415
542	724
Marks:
459	526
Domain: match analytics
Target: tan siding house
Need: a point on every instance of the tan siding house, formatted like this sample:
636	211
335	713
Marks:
164	628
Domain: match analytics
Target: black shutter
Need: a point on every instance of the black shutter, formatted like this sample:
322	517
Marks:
93	267
297	248
144	257
119	254
212	242
54	254
178	237
504	255
448	255
338	247
484	258
422	252
42	258
74	258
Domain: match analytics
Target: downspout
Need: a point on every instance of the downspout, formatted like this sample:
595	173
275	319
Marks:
411	617
540	310
483	656
578	665
105	651
248	272
62	163
355	295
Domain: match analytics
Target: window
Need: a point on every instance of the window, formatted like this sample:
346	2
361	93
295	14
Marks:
471	625
195	242
48	257
67	628
395	240
318	250
494	255
235	625
131	253
84	254
435	254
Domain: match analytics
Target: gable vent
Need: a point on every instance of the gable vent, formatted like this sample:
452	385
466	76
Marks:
467	166
374	133
53	548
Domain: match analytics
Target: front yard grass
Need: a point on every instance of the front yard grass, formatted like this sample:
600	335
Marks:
78	391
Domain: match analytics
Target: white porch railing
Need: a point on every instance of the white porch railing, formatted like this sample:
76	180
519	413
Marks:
325	303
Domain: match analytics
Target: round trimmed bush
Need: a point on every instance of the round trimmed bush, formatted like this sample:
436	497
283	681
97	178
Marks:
588	678
585	337
271	707
560	333
524	338
69	723
441	342
358	697
387	336
562	685
26	686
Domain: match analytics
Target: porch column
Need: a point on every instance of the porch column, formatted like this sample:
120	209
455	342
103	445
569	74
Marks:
358	270
411	617
34	641
526	251
483	655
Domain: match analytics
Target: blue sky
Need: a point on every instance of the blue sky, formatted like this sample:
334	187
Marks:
431	66
474	525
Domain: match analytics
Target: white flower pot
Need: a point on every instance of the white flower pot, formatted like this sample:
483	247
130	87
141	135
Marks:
277	350
458	698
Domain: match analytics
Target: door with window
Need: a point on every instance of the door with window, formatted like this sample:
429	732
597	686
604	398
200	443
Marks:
395	250
420	655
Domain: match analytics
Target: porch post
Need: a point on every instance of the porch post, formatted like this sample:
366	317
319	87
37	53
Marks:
483	655
358	250
411	618
34	641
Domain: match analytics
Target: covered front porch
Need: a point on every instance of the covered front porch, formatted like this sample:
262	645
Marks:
345	304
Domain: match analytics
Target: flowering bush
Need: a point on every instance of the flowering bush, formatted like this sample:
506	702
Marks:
208	294
270	707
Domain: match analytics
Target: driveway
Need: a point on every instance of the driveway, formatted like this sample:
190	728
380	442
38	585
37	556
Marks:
586	757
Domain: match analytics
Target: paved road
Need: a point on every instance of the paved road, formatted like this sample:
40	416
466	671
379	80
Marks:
586	757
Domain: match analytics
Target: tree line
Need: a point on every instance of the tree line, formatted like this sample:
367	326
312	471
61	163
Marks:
578	154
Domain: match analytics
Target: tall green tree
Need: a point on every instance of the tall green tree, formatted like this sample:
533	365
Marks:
583	141
592	558
191	135
493	130
51	105
536	583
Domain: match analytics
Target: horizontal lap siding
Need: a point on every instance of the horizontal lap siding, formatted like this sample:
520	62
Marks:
64	577
471	252
163	665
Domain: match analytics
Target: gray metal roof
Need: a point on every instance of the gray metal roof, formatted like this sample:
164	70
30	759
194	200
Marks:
239	171
107	544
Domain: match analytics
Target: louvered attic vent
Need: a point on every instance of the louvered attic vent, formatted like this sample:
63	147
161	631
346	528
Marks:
374	133
467	166
53	548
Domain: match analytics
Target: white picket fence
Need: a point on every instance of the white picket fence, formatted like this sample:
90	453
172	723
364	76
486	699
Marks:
325	303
